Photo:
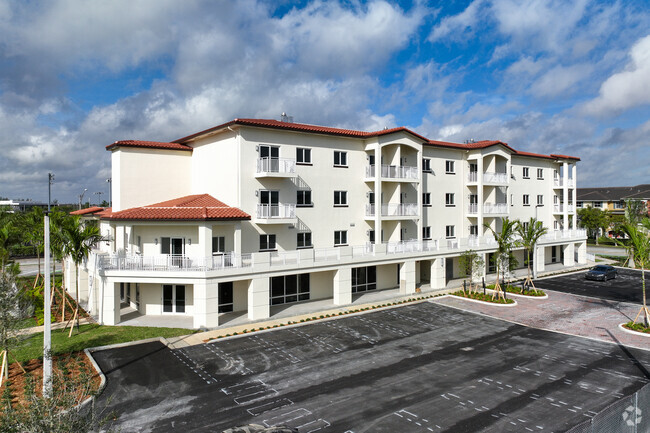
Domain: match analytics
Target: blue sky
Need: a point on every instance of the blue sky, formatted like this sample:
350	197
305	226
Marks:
544	76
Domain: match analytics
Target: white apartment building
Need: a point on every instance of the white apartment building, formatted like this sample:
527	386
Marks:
255	213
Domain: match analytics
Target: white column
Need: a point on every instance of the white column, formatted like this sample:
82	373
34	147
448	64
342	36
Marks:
120	235
205	239
377	194
111	303
479	194
568	255
565	195
540	258
258	299
407	277
206	304
438	276
574	172
237	238
582	253
342	286
419	193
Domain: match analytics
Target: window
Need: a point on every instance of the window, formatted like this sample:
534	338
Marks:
540	173
218	245
371	236
525	225
449	167
364	279
303	198
340	198
225	297
512	199
340	159
526	200
556	225
289	288
540	200
579	204
267	242
303	155
340	237
598	204
449	199
450	231
426	232
304	240
426	165
426	199
526	173
473	230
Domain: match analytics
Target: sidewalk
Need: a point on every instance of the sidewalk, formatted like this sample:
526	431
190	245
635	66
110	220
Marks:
57	325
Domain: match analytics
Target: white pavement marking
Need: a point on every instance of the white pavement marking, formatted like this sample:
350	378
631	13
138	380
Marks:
267	407
192	365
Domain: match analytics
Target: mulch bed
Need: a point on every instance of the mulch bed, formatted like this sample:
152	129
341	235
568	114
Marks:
481	297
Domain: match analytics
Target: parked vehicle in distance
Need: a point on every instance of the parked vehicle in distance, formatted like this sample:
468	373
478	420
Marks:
601	273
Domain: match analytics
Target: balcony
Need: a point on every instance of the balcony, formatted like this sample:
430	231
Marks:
559	183
554	235
276	214
472	177
394	211
394	172
275	167
472	209
495	209
174	263
560	208
493	178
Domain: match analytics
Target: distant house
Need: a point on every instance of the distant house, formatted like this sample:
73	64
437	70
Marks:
613	199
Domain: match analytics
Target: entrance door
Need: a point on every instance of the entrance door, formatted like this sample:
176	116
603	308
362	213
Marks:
173	298
553	254
270	201
449	269
225	297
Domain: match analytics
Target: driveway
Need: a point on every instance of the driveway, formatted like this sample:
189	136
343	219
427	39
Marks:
417	368
625	288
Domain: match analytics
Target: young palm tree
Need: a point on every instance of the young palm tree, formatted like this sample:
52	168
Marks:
530	234
57	243
638	248
505	242
78	241
34	232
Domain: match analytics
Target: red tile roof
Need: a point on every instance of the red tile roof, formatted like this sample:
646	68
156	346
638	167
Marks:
181	143
149	144
90	210
199	207
300	127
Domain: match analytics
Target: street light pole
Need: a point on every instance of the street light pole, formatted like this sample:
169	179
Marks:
47	310
81	197
99	200
110	191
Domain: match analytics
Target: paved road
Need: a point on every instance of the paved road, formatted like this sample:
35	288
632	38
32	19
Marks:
627	287
610	251
418	368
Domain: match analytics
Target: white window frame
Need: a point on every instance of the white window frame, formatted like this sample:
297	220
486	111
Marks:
450	199
540	173
426	165
306	240
342	236
450	167
540	200
426	199
340	198
340	158
303	192
526	200
270	242
526	173
221	245
450	232
303	155
426	233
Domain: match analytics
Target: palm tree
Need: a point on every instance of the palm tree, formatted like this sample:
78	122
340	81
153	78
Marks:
505	242
57	243
638	248
78	241
34	232
530	234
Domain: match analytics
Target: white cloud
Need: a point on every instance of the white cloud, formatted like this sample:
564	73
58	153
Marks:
560	80
628	88
456	27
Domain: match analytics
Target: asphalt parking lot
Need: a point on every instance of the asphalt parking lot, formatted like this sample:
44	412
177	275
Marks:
417	368
626	287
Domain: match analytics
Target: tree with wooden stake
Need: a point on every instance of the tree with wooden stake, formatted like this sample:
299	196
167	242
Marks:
9	316
57	244
505	240
638	248
530	233
79	240
470	264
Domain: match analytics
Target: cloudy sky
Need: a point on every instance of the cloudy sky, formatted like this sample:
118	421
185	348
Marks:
556	76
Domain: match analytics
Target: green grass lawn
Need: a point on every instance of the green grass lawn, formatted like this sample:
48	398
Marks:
89	336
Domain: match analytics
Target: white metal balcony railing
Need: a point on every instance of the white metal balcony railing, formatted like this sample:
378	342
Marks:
472	177
472	208
394	171
181	263
559	182
173	262
492	177
276	211
495	208
394	209
276	165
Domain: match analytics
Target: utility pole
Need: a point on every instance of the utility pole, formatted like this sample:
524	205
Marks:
110	191
47	310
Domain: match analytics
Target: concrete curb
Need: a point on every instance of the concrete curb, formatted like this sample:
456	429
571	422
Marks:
629	331
524	296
